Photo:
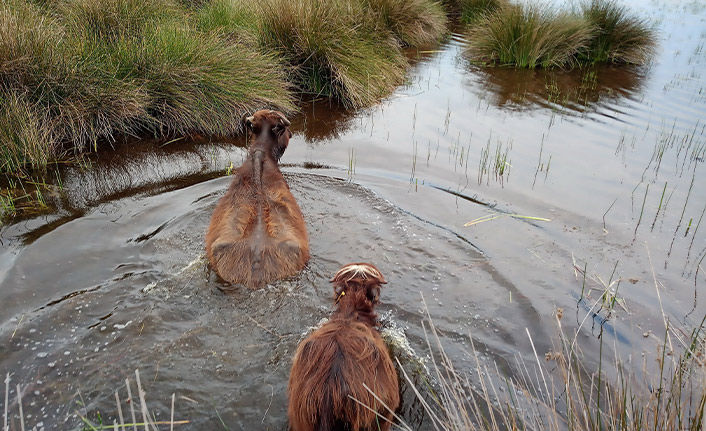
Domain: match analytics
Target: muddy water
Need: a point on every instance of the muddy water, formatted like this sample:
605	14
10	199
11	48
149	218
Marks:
113	278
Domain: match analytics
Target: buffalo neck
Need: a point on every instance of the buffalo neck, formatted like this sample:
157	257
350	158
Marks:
350	307
259	154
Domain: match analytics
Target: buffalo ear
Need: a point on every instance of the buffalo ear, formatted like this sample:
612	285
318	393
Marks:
373	294
283	120
248	122
283	134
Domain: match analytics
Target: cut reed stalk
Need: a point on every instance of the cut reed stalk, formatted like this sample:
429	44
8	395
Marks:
19	403
120	410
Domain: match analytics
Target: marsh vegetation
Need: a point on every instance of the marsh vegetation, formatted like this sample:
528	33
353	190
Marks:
78	74
534	35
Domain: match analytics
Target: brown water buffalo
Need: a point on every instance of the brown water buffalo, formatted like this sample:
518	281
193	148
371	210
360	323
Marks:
257	232
333	366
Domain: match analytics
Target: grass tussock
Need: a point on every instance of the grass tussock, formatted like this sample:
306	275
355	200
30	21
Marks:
23	137
237	18
531	35
331	49
86	71
97	69
472	10
198	83
412	22
112	20
618	37
28	41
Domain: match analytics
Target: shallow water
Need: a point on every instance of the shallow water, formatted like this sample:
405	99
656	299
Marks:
113	278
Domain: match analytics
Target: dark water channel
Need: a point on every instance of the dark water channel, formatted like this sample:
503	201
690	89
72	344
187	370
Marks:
113	277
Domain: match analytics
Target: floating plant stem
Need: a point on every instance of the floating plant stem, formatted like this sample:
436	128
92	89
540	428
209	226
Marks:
447	119
659	207
583	286
19	403
698	266
501	164
688	227
696	229
483	162
539	163
614	295
490	217
606	211
414	162
642	210
351	163
414	119
686	202
7	399
549	163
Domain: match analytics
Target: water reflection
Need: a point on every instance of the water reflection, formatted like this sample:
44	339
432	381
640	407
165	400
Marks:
322	120
576	90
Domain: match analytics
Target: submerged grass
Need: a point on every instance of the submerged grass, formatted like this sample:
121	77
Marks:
531	35
74	74
561	392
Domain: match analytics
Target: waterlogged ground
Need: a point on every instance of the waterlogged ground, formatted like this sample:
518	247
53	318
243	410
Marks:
112	278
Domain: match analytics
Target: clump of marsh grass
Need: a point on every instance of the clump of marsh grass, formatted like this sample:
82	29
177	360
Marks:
193	81
332	49
196	82
232	17
88	71
412	22
28	42
63	76
24	137
528	36
472	10
112	20
533	35
101	68
618	37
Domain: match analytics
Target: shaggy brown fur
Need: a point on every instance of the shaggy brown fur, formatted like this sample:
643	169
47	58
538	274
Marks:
333	364
257	232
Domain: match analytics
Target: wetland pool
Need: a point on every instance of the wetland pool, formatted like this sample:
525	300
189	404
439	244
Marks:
113	278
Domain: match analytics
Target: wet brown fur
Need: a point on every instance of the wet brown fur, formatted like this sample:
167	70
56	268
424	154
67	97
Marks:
332	364
257	232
